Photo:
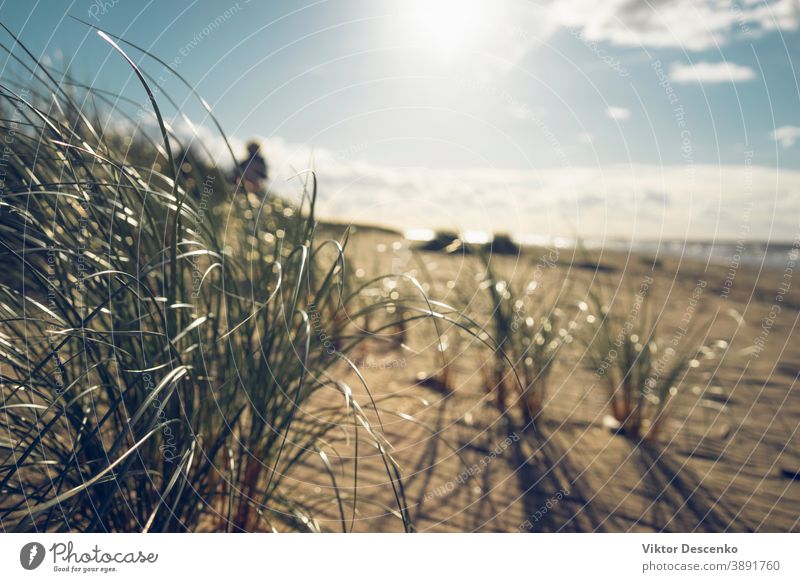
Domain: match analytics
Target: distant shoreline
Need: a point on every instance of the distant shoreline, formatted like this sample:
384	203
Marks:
721	252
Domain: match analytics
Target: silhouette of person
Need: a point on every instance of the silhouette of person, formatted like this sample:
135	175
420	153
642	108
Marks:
252	173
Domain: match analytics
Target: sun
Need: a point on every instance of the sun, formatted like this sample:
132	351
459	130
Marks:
448	28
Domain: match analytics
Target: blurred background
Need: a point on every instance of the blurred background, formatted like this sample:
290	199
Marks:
634	123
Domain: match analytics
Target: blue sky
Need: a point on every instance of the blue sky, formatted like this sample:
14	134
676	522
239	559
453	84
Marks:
620	119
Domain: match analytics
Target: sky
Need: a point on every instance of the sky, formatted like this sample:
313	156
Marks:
621	119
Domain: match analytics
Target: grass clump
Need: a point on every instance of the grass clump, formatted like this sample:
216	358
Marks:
167	342
531	326
643	368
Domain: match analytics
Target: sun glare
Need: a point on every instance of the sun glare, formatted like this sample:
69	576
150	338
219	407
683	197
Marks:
449	28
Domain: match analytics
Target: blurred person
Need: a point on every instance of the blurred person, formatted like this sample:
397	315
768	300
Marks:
252	173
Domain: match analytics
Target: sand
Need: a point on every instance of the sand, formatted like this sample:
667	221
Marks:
722	462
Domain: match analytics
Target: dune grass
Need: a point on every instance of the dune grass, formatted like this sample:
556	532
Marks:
163	335
642	367
531	325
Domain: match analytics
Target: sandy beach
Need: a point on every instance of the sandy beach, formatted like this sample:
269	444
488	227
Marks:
725	460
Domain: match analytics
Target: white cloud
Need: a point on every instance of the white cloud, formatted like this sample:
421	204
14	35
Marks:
706	72
689	24
631	201
635	201
786	135
618	113
585	138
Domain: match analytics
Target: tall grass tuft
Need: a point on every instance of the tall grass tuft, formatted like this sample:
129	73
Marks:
170	346
531	326
642	368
